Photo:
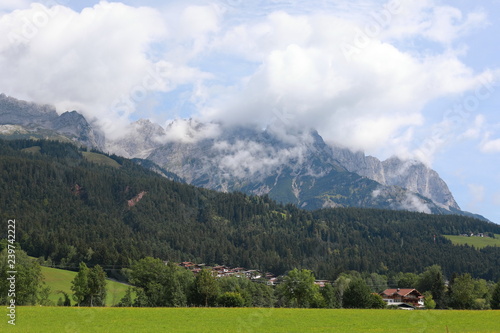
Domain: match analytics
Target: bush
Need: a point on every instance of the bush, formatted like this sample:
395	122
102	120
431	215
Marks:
377	302
231	300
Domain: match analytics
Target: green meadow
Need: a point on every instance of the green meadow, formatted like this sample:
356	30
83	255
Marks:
101	159
58	279
478	242
61	319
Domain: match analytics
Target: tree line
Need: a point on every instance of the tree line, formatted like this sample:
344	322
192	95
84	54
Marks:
70	210
156	284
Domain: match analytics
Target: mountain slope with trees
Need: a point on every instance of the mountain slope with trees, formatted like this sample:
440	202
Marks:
290	165
69	210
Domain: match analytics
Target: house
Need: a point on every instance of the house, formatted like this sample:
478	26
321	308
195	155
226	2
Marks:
186	264
321	283
252	274
403	298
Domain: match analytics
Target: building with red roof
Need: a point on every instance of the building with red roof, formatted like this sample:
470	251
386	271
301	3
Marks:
400	296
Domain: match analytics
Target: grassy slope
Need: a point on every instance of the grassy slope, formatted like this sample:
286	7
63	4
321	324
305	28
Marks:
101	159
478	242
34	150
50	319
59	279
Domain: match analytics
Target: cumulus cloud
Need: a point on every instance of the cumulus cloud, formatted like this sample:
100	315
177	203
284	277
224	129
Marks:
100	61
363	99
340	68
490	145
189	131
433	21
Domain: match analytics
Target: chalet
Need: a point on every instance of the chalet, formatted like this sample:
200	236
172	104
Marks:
321	283
186	264
273	281
403	297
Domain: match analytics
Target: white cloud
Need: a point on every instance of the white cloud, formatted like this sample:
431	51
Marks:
414	203
363	102
107	60
490	145
430	20
99	61
10	5
248	158
476	128
80	61
189	131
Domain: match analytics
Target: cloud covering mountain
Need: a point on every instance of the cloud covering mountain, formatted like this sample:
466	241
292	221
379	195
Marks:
406	78
337	68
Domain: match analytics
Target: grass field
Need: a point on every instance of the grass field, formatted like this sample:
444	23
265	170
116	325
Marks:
58	279
101	159
53	319
478	242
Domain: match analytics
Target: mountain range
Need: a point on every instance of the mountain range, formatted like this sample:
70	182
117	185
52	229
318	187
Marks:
289	165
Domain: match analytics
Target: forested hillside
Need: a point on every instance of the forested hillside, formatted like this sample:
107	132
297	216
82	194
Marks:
69	209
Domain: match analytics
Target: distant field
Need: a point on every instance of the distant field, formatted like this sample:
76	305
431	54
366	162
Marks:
53	319
478	242
59	279
100	159
33	150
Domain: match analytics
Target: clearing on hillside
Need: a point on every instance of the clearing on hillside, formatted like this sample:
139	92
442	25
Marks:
478	242
100	159
59	279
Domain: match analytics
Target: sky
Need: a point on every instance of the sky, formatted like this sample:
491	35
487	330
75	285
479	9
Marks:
413	78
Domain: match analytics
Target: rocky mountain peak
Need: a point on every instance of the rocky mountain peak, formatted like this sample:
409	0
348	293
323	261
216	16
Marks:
17	112
74	125
417	177
290	165
43	121
142	137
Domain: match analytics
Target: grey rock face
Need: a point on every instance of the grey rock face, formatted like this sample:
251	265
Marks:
17	112
412	175
142	137
35	118
417	177
75	126
367	166
296	167
304	170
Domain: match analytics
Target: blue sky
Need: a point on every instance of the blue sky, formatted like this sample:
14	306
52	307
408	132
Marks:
417	79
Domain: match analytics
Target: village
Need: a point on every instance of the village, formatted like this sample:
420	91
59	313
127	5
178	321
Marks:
221	271
402	298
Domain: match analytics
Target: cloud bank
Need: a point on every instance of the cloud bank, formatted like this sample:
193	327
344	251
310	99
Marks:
351	71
